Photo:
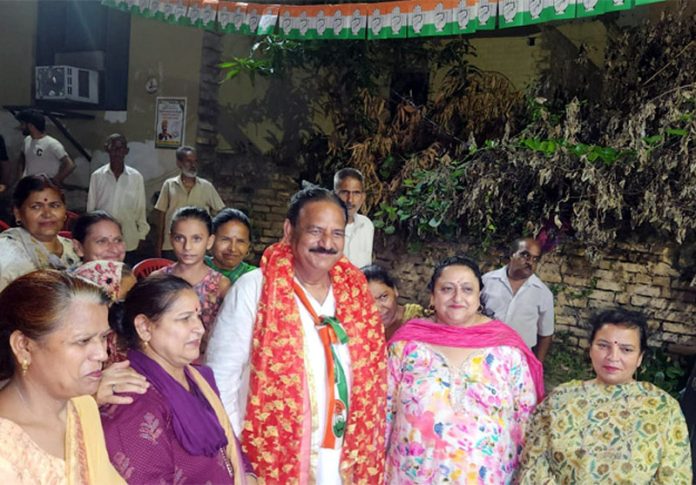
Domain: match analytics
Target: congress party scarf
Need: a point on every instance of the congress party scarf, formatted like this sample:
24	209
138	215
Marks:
276	431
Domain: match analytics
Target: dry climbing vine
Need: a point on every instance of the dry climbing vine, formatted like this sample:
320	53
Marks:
598	152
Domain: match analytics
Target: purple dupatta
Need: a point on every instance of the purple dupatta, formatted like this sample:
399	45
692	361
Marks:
193	419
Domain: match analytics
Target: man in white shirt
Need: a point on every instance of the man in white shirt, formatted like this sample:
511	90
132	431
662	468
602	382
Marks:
281	334
186	189
519	298
349	186
42	153
120	190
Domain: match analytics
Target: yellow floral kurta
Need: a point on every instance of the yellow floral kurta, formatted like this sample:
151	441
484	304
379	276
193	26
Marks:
586	432
412	310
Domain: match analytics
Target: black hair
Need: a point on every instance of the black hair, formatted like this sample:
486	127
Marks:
460	260
623	318
309	194
115	137
191	212
33	183
87	220
151	297
230	214
374	272
33	116
515	245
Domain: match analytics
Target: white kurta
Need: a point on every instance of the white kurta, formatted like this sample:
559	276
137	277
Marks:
123	198
359	238
229	355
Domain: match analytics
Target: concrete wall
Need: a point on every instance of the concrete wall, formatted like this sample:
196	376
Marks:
169	53
172	54
17	27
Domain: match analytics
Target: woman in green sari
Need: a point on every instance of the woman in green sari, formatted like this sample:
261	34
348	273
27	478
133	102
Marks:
232	230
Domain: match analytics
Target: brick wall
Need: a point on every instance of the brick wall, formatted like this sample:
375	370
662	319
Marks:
641	277
245	179
258	187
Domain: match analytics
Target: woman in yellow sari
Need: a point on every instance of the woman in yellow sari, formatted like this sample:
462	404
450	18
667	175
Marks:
52	353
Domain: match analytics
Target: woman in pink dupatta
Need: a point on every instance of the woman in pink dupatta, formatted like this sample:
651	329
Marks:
461	388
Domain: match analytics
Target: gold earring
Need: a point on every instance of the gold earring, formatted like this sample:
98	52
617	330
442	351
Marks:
25	367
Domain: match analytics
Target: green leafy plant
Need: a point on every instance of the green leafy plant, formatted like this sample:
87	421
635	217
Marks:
565	362
425	205
611	158
663	370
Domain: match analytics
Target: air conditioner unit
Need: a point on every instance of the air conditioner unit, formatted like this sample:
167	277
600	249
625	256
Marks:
67	83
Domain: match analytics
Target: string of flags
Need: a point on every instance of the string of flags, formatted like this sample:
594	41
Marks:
381	20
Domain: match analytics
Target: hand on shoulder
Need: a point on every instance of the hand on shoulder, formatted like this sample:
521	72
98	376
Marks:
120	378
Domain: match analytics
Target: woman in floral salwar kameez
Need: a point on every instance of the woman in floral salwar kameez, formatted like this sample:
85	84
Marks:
461	389
611	429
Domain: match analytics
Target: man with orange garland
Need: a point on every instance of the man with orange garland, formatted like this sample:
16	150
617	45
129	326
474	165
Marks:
299	355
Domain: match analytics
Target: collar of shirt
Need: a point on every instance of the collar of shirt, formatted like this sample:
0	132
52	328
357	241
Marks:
357	222
180	181
126	169
502	275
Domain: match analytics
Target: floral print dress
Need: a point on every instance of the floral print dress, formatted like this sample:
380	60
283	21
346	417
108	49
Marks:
586	432
462	424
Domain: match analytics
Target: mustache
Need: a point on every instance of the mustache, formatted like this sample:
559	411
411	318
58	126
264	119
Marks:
321	250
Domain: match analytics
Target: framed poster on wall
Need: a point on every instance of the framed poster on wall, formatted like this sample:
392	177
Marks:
170	122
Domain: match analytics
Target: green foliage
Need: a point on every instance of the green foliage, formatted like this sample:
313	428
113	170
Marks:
609	151
267	57
663	370
556	289
369	118
565	362
425	207
589	153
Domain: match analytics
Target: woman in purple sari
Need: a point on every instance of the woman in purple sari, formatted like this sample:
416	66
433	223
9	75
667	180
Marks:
461	388
178	430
